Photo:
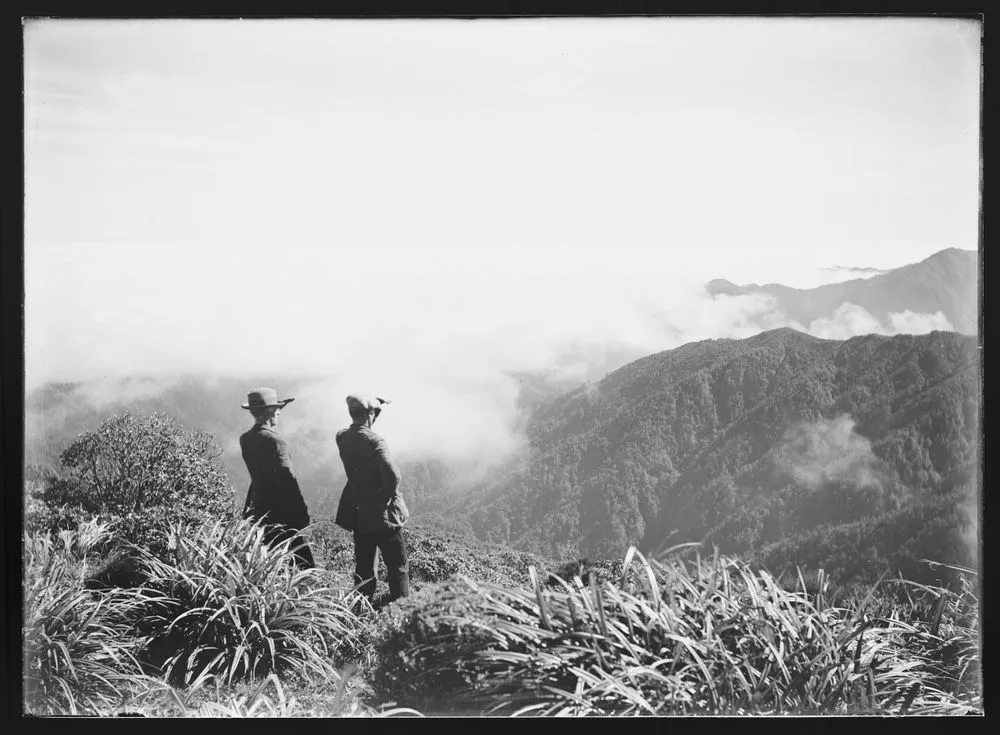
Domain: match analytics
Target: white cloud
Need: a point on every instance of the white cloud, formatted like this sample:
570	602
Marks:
850	320
908	322
829	450
440	340
105	392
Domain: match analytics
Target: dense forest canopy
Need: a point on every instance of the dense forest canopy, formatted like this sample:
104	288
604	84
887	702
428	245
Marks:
745	444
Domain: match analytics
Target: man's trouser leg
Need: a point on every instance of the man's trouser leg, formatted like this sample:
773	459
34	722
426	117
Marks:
302	553
364	563
393	548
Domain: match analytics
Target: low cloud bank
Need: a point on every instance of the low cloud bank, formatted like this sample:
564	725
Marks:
99	394
830	451
441	340
970	529
850	320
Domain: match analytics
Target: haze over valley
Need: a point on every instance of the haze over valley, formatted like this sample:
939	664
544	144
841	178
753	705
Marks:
717	444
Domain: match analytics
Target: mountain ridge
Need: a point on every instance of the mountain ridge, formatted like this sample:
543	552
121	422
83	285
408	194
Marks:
944	282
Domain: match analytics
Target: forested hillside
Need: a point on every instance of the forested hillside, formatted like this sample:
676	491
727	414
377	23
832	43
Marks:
945	282
745	443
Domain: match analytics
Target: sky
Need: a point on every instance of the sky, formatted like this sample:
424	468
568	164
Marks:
417	207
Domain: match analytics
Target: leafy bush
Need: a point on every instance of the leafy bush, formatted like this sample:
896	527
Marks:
228	605
422	659
48	507
695	637
139	472
79	655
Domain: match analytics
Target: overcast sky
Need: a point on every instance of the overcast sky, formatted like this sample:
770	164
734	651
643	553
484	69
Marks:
296	195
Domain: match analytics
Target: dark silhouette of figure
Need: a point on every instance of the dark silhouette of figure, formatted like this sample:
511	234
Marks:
370	504
274	493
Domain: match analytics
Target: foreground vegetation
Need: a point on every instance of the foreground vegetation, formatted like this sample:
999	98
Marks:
189	613
229	627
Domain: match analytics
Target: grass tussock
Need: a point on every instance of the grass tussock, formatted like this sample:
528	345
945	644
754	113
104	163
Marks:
79	654
224	625
230	606
679	637
269	697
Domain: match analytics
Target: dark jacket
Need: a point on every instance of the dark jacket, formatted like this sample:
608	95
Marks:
274	490
371	501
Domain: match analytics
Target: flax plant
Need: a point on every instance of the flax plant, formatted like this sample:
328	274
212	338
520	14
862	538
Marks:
79	656
704	636
230	606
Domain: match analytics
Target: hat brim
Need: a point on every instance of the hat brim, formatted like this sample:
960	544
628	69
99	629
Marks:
279	404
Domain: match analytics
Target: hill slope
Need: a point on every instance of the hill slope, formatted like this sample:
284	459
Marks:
742	443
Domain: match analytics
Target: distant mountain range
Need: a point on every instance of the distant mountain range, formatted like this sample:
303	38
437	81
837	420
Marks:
945	282
749	443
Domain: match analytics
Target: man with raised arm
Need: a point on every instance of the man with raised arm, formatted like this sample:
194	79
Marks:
370	504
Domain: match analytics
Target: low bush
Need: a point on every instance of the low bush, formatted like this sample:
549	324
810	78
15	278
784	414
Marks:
140	472
422	660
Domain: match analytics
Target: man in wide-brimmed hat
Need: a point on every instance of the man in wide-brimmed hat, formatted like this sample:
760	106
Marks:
274	493
370	504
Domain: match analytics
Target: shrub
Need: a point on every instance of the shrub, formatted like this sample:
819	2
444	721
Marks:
79	655
228	605
46	506
140	472
422	659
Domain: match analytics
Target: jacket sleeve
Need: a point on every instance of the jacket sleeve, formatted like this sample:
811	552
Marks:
249	499
388	471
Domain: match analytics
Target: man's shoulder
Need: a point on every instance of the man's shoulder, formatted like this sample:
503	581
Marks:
364	434
349	437
371	435
260	433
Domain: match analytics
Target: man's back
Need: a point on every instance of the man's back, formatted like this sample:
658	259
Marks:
274	489
372	480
